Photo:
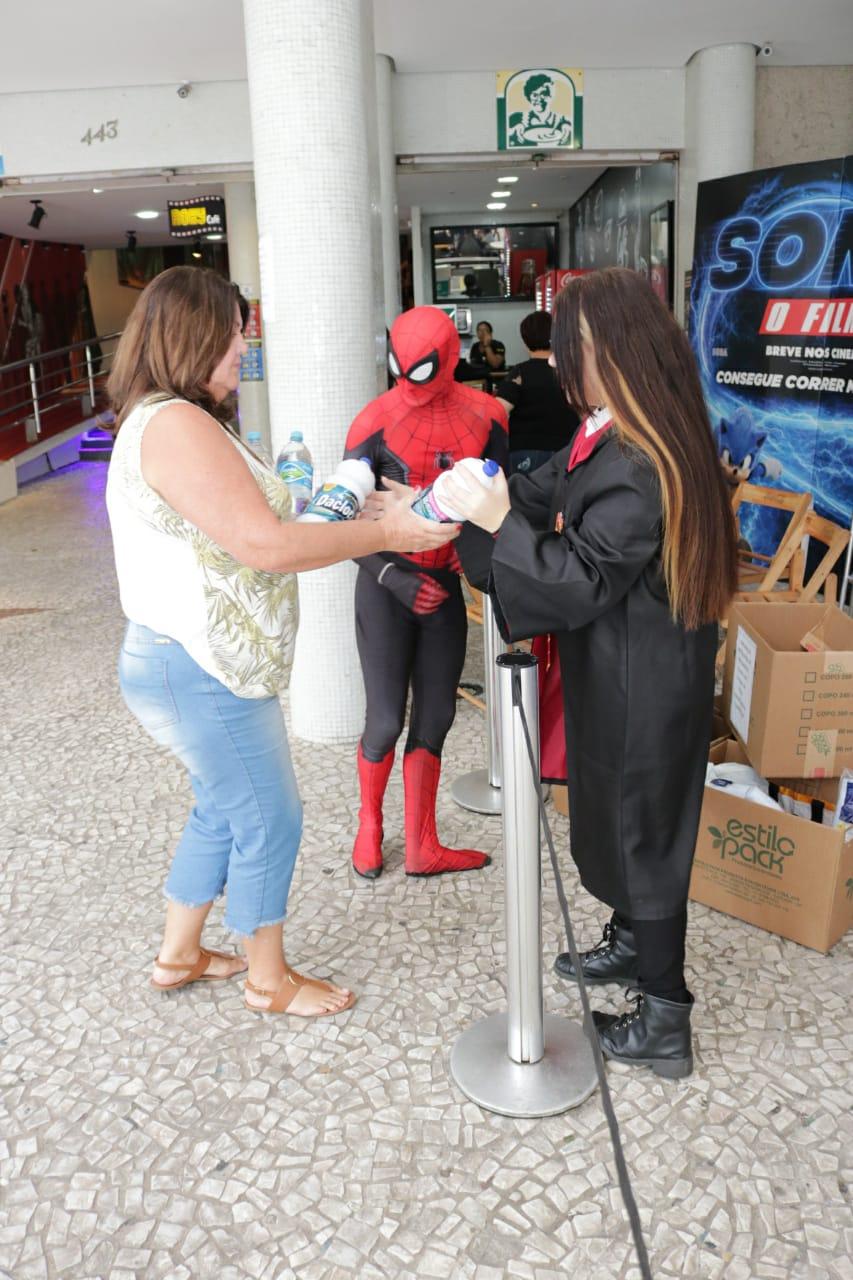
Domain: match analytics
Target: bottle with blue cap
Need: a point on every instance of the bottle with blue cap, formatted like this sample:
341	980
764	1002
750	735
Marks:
344	493
295	466
256	444
433	505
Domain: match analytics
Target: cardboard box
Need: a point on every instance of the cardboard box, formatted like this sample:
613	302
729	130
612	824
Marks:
720	727
791	710
814	641
560	796
781	873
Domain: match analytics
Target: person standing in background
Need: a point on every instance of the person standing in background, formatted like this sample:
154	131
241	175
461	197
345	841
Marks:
540	419
487	353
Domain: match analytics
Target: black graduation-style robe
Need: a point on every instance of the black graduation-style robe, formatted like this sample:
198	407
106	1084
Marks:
638	688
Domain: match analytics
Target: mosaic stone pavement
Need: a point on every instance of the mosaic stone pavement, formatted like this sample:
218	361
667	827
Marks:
150	1135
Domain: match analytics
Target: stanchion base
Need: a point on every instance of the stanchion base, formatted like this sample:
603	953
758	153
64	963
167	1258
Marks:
473	791
564	1078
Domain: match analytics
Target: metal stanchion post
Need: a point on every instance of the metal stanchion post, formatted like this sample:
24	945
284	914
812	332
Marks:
90	375
522	1062
480	790
34	393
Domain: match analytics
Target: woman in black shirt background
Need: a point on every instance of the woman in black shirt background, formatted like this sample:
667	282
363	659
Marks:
540	420
487	353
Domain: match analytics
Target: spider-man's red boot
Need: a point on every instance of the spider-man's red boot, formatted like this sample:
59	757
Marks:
425	855
372	779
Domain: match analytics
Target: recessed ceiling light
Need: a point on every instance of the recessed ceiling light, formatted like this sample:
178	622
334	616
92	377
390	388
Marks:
97	191
216	237
145	214
534	204
496	205
513	177
499	195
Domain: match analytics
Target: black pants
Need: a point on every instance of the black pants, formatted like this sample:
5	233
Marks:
660	954
399	648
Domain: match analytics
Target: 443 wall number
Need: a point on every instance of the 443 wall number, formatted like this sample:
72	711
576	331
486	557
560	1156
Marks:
104	133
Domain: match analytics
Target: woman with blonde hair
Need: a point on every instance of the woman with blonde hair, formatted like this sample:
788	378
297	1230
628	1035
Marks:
206	555
624	546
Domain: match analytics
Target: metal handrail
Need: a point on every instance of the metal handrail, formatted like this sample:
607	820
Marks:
39	397
60	351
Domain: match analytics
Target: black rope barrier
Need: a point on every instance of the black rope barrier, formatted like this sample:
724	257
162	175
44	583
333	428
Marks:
588	1024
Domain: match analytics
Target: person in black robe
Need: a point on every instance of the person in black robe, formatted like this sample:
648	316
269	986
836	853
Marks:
583	548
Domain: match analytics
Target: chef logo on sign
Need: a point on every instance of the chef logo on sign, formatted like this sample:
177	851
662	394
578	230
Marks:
538	108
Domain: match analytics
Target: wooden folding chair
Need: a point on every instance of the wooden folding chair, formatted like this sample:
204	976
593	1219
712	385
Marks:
474	606
474	610
834	538
760	572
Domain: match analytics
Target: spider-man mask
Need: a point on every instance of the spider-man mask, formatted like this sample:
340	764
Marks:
423	355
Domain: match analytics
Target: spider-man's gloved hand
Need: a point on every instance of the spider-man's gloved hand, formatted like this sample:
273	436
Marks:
417	591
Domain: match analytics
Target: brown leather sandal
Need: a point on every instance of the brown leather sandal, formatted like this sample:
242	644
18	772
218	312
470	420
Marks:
198	970
281	1000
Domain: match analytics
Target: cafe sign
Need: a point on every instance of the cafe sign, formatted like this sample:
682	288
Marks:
201	216
540	108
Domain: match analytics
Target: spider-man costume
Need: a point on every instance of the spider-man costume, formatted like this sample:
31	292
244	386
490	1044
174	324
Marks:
411	624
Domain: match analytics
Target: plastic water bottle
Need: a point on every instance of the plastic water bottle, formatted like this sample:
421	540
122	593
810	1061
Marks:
431	503
256	444
296	468
344	493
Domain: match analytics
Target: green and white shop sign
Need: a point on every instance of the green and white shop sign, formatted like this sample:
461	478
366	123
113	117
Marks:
541	107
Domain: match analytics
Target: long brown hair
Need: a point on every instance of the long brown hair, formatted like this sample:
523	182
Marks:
651	384
175	336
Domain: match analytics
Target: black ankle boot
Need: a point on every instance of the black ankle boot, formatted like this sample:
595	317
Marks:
613	960
656	1034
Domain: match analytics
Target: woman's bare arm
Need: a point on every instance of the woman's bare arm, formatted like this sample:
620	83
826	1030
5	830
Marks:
189	460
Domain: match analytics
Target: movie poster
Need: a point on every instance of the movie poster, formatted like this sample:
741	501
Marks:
771	323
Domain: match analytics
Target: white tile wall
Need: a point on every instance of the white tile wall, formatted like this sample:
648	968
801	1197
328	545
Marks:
719	129
455	111
310	105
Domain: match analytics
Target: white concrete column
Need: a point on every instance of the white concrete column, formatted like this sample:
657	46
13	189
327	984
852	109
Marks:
374	191
388	188
242	223
421	293
719	131
311	99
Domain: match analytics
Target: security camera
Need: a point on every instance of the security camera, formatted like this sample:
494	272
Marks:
184	90
765	51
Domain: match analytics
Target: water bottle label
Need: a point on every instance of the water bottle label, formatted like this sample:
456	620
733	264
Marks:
298	475
294	471
427	507
334	502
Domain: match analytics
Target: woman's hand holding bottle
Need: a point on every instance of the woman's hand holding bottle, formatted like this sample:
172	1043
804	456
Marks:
485	507
404	530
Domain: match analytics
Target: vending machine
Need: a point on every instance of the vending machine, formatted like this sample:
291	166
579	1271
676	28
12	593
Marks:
549	284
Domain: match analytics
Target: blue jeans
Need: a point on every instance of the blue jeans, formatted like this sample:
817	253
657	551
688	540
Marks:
245	827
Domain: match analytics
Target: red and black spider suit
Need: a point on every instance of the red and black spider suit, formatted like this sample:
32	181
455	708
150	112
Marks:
411	624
